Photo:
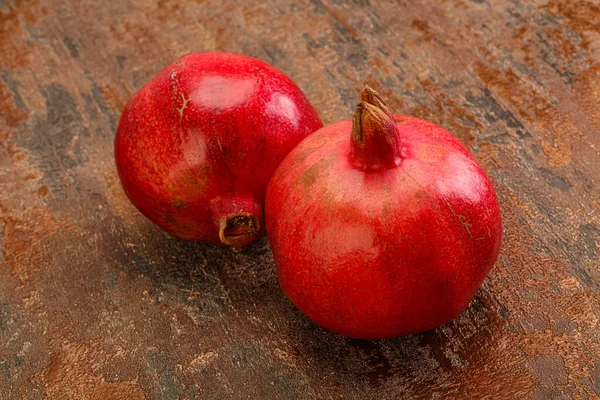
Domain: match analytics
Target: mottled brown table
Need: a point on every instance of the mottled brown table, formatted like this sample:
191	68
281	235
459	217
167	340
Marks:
96	303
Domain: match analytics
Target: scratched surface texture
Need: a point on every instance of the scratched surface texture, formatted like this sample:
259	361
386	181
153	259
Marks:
96	303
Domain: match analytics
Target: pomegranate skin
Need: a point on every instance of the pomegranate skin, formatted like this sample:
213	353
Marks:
385	252
197	145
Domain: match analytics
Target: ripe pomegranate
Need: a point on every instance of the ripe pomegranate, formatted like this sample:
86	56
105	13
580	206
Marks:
382	226
197	145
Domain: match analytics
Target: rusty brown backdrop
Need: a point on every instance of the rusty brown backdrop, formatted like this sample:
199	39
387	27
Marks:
96	303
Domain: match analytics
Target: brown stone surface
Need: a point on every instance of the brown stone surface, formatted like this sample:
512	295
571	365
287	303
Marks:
96	303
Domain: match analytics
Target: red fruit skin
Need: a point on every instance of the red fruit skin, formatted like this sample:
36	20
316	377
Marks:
382	253
198	144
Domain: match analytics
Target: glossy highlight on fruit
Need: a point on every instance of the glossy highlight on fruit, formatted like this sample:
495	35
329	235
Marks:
382	226
197	145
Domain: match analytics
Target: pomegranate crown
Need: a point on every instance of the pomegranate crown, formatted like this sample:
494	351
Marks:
375	140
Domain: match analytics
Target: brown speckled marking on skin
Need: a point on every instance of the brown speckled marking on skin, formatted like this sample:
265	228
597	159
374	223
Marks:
96	300
315	172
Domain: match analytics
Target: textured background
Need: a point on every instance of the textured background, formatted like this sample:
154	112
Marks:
97	303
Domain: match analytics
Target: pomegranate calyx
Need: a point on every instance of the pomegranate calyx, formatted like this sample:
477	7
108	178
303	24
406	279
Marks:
375	140
371	96
239	230
237	219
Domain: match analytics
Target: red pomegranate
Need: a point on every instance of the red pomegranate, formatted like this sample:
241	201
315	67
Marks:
197	145
382	226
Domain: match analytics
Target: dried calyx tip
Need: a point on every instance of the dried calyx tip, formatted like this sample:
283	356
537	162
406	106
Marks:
370	96
370	112
367	117
375	137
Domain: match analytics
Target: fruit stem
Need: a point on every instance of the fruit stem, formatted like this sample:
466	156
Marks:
237	220
375	140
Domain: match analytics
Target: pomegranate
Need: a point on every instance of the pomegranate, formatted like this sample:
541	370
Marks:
382	226
197	145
